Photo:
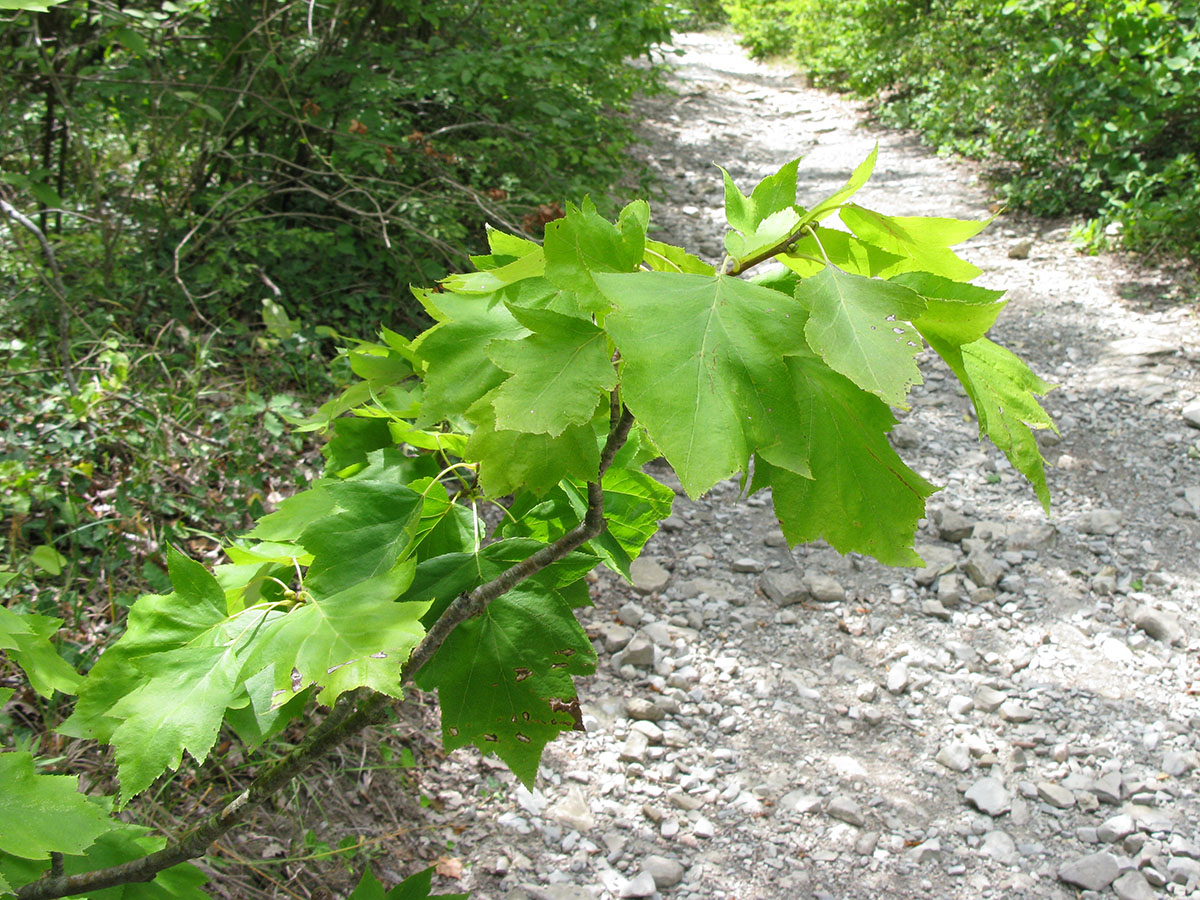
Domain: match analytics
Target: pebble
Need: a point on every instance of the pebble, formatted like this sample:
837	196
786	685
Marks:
1000	847
1012	711
955	756
1115	828
748	565
982	569
845	809
641	708
825	589
649	576
785	587
1055	794
1160	625
989	795
897	678
666	872
703	828
638	652
989	699
641	885
1191	414
1101	521
573	811
1134	886
1093	872
953	526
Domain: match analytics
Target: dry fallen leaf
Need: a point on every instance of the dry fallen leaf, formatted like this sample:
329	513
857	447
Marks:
448	866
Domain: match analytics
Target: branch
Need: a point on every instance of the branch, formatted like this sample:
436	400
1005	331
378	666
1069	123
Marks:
352	712
741	265
60	289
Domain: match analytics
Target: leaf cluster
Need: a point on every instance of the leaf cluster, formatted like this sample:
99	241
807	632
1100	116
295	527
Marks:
552	373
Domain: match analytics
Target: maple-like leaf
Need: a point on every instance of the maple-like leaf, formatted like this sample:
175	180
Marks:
510	461
414	887
861	496
27	639
44	814
819	247
922	242
583	243
457	373
559	372
504	679
703	371
859	177
955	312
860	327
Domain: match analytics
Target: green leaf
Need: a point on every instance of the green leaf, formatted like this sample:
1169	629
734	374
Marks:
510	461
703	370
922	242
843	250
368	531
44	814
457	370
668	258
860	327
415	887
1004	392
28	640
583	243
559	373
48	559
774	194
772	230
954	312
861	496
504	679
31	5
350	641
504	244
491	280
858	178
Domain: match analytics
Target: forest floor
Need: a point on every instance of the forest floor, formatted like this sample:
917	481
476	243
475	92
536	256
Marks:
1019	719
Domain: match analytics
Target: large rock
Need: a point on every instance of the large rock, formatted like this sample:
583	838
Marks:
1101	521
665	872
785	587
1160	625
1093	872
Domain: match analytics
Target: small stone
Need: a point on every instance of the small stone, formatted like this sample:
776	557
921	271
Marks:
642	885
665	872
845	809
1176	763
636	746
1000	847
926	851
866	843
960	705
866	691
825	589
638	652
1115	828
631	614
785	587
1134	886
703	828
989	795
648	575
1142	346
1116	651
1093	872
747	565
1012	711
1055	794
953	526
935	610
983	569
904	435
573	811
1160	625
897	678
641	708
1107	788
799	801
955	756
1101	521
1191	414
1020	250
949	591
989	699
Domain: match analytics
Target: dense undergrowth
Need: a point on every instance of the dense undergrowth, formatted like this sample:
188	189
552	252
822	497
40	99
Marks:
222	184
1088	108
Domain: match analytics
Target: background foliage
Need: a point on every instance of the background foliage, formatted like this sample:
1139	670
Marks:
1086	108
204	169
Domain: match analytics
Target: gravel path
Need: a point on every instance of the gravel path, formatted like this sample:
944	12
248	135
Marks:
1019	719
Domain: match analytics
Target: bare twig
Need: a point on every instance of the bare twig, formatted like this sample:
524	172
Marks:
60	290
